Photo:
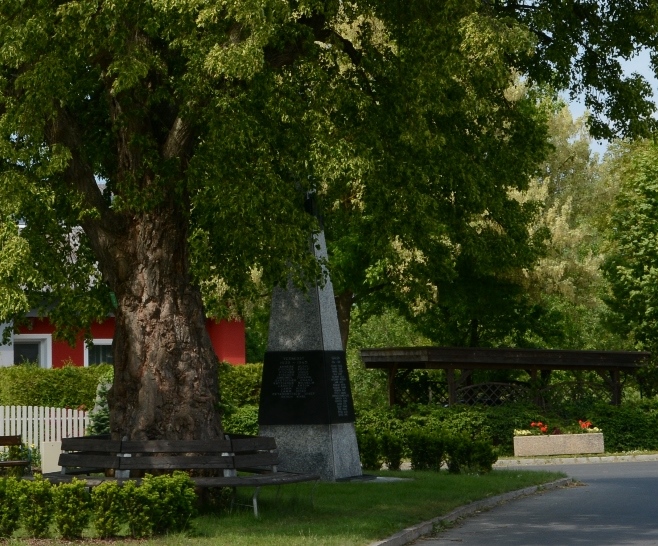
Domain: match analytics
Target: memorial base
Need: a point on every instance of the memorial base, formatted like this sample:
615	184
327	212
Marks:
328	450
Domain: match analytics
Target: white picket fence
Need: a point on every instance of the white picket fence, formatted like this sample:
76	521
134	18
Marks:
38	424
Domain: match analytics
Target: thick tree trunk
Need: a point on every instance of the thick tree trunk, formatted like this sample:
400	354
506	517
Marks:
165	369
344	308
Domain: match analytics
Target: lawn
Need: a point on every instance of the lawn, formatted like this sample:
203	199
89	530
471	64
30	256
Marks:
345	513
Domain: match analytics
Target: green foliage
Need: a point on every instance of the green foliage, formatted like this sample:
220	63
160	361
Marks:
240	384
70	386
139	509
36	506
107	506
10	491
175	506
72	504
631	266
240	391
161	504
392	450
242	420
628	427
385	329
369	450
427	449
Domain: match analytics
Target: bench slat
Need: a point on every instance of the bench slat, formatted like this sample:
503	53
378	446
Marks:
253	444
10	440
274	478
90	444
174	463
178	446
13	463
89	459
256	459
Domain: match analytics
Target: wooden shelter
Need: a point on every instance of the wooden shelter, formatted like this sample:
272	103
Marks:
608	364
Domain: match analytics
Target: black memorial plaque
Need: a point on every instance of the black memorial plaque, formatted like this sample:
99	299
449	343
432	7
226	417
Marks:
305	388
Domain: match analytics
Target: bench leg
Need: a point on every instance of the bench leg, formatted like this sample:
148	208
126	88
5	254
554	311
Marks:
255	501
234	495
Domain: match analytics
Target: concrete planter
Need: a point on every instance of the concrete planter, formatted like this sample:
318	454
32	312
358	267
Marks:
558	444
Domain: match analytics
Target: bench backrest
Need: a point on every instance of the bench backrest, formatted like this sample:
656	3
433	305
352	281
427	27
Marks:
10	441
239	453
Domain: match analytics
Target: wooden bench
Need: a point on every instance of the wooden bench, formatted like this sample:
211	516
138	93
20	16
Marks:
10	441
254	457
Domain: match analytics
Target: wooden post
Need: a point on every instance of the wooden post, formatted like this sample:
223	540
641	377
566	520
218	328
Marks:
616	387
452	387
392	370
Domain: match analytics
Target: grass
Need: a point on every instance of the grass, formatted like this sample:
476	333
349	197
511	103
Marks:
344	513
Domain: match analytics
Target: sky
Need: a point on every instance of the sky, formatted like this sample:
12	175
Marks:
640	64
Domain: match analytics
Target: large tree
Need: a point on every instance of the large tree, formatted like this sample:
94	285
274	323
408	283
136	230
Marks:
160	150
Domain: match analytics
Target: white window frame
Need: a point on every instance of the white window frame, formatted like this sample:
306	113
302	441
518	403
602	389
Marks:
95	341
45	346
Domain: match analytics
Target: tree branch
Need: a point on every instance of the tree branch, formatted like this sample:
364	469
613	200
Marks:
179	139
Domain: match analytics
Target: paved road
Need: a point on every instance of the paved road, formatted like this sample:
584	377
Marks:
618	505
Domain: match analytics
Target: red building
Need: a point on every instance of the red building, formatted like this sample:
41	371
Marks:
35	343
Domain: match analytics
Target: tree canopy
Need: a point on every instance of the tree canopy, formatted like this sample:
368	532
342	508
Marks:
205	123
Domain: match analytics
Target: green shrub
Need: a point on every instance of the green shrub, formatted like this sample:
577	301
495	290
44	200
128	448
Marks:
242	420
457	452
427	449
139	508
176	501
9	506
392	450
107	506
240	385
36	506
161	504
369	450
70	386
72	508
482	456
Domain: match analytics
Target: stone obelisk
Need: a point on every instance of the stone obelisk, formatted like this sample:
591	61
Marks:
306	400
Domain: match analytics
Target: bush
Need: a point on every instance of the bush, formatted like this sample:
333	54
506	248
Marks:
9	506
392	450
36	506
107	506
240	385
176	501
369	450
72	508
138	509
70	386
242	420
161	504
427	449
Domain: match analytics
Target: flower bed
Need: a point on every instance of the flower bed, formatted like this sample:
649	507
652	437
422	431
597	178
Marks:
558	444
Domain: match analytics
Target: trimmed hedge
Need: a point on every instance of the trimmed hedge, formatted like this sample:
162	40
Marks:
70	386
240	384
158	506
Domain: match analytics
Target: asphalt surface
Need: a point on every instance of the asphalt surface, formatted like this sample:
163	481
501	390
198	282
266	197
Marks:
617	503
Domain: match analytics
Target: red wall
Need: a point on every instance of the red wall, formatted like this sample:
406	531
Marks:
228	340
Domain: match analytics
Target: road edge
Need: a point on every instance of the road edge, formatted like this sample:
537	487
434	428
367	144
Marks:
427	527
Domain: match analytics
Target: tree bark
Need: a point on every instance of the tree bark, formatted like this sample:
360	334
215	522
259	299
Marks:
344	310
165	369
